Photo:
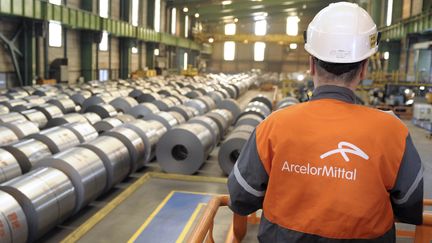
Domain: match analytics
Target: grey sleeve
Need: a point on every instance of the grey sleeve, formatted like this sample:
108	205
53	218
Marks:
247	182
407	193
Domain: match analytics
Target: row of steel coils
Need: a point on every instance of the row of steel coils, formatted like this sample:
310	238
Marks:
76	157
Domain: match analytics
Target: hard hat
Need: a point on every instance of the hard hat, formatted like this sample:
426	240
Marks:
342	33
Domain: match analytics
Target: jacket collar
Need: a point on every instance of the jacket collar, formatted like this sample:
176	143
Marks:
334	92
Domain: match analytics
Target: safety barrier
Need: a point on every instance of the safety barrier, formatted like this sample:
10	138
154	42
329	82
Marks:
203	231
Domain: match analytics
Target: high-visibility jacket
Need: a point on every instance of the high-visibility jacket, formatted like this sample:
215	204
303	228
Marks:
329	170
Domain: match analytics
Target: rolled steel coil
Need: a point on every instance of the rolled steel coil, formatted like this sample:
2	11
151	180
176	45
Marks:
163	117
285	102
92	117
164	104
68	118
28	152
95	100
263	99
180	98
148	97
84	131
12	103
22	128
184	149
34	99
134	143
85	169
179	117
115	157
199	105
249	119
103	110
216	96
57	138
150	132
261	106
125	118
193	94
209	102
49	110
13	222
230	149
3	109
254	110
107	124
11	117
36	116
186	111
66	105
123	104
9	166
47	197
221	122
232	106
7	135
231	91
211	125
143	110
80	97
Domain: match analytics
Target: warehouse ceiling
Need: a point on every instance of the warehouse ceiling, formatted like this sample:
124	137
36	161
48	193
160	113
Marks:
217	11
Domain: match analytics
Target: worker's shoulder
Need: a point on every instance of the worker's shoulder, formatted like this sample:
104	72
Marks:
382	117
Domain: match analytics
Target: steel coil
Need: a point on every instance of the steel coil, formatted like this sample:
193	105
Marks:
107	124
103	110
7	135
9	166
143	110
11	117
193	94
232	106
163	104
28	152
186	111
211	125
12	103
115	157
184	149
209	102
84	131
57	138
68	118
22	128
133	142
66	105
47	197
199	105
80	97
179	117
263	99
49	110
150	132
216	96
92	117
13	222
261	106
230	149
221	121
96	100
36	116
165	118
125	118
249	119
123	104
148	97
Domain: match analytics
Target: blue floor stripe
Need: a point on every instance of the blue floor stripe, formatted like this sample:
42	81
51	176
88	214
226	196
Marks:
168	224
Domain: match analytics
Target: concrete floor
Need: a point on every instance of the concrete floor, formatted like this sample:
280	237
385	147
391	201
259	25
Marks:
125	219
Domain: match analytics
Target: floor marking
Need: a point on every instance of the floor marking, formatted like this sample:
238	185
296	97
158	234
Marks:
188	226
150	218
172	219
79	232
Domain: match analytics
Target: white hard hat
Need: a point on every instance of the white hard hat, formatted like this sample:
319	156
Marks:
342	33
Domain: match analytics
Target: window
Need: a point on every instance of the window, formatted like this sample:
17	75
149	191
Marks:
157	15
230	29
56	2
389	12
103	8
292	25
229	50
261	27
55	34
134	50
103	45
173	20
185	60
259	50
135	9
186	26
103	74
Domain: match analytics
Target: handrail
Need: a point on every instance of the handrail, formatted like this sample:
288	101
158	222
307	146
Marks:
203	231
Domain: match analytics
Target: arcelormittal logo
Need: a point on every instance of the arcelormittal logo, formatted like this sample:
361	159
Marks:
345	148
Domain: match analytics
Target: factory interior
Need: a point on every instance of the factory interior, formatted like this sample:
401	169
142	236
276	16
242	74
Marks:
121	120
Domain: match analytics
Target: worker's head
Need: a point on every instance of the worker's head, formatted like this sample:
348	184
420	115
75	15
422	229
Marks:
340	39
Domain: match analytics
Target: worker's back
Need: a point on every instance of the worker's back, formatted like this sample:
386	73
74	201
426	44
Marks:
331	165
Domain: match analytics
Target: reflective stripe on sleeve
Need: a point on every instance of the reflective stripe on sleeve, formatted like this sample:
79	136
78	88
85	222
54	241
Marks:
245	185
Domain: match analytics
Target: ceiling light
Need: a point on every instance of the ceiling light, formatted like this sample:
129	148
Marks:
210	40
386	55
196	15
236	20
293	46
300	77
156	52
227	2
422	87
185	9
304	6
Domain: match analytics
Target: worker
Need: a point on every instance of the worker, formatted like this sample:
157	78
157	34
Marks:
329	170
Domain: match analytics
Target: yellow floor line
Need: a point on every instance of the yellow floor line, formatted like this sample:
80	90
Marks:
188	225
150	218
79	232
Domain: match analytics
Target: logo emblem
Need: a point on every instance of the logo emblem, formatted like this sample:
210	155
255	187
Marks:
343	149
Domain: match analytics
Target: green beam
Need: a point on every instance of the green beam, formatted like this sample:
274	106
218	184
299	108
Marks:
27	46
125	57
150	55
87	49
